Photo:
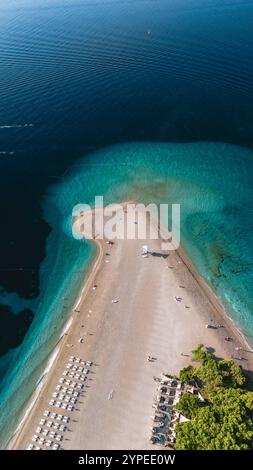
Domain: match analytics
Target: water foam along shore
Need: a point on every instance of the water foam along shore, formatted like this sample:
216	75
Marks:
147	318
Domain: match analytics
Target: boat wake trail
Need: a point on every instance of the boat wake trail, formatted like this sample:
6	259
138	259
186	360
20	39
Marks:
15	126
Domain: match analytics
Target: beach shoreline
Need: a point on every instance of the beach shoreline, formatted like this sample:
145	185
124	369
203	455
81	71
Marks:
53	356
214	299
205	296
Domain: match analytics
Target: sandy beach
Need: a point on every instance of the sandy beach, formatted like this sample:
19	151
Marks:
145	319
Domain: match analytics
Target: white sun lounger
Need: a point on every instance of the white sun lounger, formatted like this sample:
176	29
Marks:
56	446
80	386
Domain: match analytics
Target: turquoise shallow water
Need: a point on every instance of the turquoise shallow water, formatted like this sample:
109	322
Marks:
212	183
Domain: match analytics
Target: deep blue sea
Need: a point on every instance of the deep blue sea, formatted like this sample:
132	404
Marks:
149	99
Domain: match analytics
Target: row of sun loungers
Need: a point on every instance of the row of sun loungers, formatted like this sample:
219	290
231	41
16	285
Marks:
57	416
46	432
70	382
33	447
62	405
66	395
50	424
78	360
73	385
43	442
69	391
71	375
165	418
